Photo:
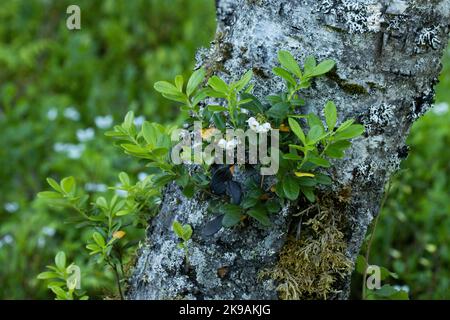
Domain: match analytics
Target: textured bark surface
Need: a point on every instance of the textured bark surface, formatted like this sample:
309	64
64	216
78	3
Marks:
387	55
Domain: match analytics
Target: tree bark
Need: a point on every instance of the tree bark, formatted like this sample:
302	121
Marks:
387	57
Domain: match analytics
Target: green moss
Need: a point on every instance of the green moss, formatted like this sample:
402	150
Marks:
222	52
312	266
374	86
260	73
254	2
348	87
335	29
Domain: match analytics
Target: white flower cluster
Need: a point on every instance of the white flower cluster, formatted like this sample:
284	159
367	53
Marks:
72	114
142	175
121	193
402	288
227	145
11	207
138	121
440	108
52	114
257	127
104	122
84	135
73	151
6	240
48	231
95	187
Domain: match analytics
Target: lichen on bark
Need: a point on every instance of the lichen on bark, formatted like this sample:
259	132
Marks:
392	49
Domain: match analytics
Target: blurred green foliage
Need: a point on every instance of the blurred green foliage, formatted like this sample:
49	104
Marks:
411	238
413	232
55	84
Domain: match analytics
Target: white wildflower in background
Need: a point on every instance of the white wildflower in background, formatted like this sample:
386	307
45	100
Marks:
52	114
11	207
104	122
142	176
6	240
227	145
72	114
138	121
95	187
41	242
440	108
48	231
84	135
73	151
401	288
121	193
257	127
59	147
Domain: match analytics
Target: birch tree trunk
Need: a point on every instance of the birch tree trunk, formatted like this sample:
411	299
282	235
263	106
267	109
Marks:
387	57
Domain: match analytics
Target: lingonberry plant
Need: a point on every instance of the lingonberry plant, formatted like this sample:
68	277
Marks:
64	280
307	144
184	233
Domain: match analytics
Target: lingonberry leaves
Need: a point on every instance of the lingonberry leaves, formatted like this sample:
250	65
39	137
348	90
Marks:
220	177
308	145
213	226
234	190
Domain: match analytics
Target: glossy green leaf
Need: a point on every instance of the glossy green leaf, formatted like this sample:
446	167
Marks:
309	194
295	127
55	185
217	108
47	275
98	238
330	115
309	65
232	215
285	75
49	195
353	131
194	81
150	133
68	184
260	214
60	260
323	67
279	110
290	187
166	88
314	135
179	81
287	61
243	82
218	84
336	149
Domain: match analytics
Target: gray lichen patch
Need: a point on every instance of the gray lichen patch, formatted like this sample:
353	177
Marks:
223	266
352	15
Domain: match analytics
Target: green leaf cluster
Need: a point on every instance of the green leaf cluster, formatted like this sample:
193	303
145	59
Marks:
61	279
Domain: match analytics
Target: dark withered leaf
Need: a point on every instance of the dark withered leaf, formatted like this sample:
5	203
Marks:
212	226
220	177
234	190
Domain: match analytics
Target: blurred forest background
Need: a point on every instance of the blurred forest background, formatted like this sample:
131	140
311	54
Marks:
60	90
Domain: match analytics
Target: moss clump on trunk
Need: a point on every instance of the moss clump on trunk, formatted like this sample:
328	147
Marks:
311	267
